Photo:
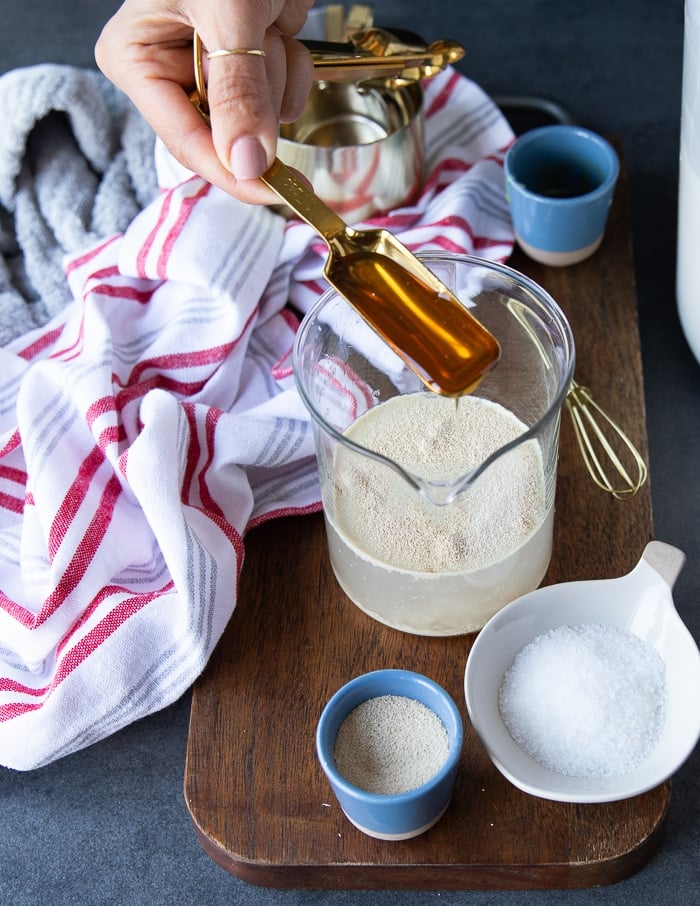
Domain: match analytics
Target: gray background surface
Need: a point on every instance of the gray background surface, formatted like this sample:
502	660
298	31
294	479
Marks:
109	824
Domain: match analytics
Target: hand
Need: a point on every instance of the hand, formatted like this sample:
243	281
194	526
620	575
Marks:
146	50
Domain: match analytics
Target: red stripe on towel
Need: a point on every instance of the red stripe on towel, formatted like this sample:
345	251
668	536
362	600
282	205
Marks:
186	208
442	97
76	567
41	344
81	260
75	656
73	500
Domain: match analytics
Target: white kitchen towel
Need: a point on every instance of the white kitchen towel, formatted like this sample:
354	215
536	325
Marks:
154	420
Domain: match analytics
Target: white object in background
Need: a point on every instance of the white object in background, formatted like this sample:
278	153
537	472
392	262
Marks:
688	261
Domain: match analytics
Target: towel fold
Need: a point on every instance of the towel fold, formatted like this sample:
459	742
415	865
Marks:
149	418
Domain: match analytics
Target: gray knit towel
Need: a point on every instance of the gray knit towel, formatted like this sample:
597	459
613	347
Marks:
76	165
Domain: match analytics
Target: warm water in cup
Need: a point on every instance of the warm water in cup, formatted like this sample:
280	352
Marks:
438	511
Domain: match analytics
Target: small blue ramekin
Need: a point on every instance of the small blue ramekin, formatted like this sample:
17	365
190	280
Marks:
560	230
391	816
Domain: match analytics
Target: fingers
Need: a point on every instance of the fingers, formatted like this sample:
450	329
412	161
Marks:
293	15
245	95
146	50
248	96
300	73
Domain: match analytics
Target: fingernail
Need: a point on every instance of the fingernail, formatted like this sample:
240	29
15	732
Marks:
248	158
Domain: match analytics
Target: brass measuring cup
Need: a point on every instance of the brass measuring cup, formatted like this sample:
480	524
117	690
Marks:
374	55
398	296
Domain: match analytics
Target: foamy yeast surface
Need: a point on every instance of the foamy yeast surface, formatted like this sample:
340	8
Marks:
435	439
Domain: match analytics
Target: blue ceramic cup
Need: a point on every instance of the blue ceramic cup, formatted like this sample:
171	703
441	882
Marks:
560	182
391	816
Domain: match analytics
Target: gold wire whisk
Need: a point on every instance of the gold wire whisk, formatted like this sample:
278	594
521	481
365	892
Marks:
582	407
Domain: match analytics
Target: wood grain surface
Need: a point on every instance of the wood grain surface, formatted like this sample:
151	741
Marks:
259	801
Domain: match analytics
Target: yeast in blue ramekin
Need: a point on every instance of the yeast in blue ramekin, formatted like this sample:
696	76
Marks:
392	816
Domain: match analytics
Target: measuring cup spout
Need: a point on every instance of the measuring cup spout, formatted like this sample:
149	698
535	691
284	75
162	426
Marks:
447	491
443	493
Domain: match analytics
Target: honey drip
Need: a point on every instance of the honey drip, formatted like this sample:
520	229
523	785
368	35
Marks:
433	332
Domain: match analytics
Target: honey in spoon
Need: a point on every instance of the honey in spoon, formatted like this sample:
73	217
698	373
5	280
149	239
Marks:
396	294
427	329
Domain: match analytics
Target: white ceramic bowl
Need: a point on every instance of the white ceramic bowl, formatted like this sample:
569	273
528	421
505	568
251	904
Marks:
641	603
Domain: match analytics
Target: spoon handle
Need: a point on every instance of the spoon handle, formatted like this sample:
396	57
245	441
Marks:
295	192
666	560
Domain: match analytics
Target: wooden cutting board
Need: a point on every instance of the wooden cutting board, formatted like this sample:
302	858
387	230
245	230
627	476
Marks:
260	804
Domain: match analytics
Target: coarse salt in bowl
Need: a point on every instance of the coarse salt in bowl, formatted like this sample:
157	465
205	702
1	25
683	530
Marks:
389	742
582	691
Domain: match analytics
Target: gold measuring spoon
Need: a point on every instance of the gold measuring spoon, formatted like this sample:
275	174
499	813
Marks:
397	295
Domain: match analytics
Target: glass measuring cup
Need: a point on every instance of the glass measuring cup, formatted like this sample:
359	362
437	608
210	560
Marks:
438	511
